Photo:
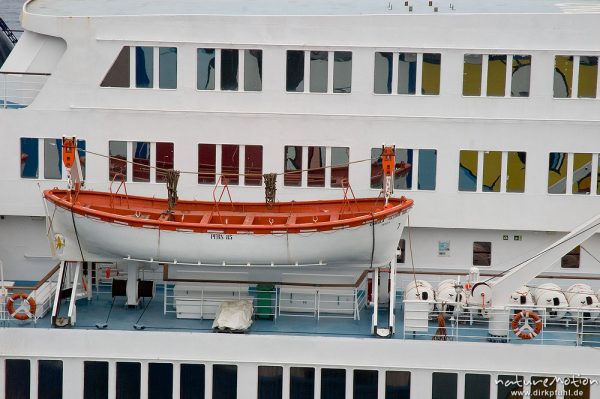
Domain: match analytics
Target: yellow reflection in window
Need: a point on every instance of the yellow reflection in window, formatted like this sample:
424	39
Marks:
588	77
492	165
496	77
582	173
557	172
563	76
472	75
432	64
515	174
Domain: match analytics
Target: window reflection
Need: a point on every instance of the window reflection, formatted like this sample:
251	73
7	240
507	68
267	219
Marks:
230	163
82	155
224	381
318	71
144	66
95	380
467	171
17	377
427	169
432	64
253	70
492	166
557	173
117	164
510	386
397	385
521	74
52	159
270	382
365	384
333	383
207	158
167	68
229	69
302	383
515	174
118	74
340	157
444	386
588	77
205	72
563	76
383	73
29	158
253	165
141	161
191	381
295	71
293	166
316	166
404	159
342	72
496	76
472	75
477	386
128	380
407	73
582	173
160	380
164	160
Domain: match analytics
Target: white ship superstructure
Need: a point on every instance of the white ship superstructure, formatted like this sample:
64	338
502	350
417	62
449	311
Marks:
493	111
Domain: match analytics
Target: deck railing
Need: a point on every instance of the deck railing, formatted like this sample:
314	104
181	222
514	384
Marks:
19	89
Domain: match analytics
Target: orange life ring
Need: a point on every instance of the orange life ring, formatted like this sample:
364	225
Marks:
20	313
526	331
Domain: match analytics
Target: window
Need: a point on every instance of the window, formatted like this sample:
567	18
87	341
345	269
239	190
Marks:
430	84
444	386
477	386
117	164
224	381
29	158
144	67
252	70
340	158
207	163
95	380
495	80
229	69
128	380
383	73
406	73
295	71
270	382
492	171
521	75
365	384
557	173
482	253
342	71
293	166
167	67
118	74
141	161
543	387
253	165
50	379
582	170
472	75
492	165
333	384
515	173
467	171
192	381
302	383
318	71
160	380
17	378
572	259
406	171
576	388
397	385
164	160
496	76
205	69
321	78
401	251
316	166
230	163
509	386
583	69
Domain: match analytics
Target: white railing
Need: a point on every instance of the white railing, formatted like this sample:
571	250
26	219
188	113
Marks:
19	89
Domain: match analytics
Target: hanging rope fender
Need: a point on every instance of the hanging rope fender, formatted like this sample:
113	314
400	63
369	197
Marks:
21	313
270	180
172	180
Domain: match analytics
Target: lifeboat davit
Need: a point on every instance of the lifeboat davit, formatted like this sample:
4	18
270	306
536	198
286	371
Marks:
104	226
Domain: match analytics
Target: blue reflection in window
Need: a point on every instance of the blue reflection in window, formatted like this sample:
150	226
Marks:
144	66
427	169
29	158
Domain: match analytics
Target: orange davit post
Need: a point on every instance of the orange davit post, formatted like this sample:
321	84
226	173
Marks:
388	163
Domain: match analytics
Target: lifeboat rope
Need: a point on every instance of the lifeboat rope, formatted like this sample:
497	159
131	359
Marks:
412	259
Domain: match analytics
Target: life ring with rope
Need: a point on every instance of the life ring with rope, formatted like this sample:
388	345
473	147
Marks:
526	331
21	313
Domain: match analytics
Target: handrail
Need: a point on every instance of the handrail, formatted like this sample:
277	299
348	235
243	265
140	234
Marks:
25	73
39	283
9	33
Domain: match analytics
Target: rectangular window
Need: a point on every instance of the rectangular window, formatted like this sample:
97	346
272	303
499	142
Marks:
467	171
295	71
397	385
576	388
318	71
477	386
207	163
29	158
253	70
333	384
52	158
572	259
402	177
144	67
492	169
496	76
141	161
229	69
543	387
253	165
472	75
376	168
160	380
557	173
128	380
118	74
164	160
342	72
365	384
117	164
316	166
340	158
407	73
192	381
81	152
515	173
401	251
293	166
432	64
95	380
383	73
230	163
224	381
482	253
50	379
521	76
509	386
18	378
302	383
582	173
588	77
167	67
270	382
427	169
205	69
563	76
444	385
